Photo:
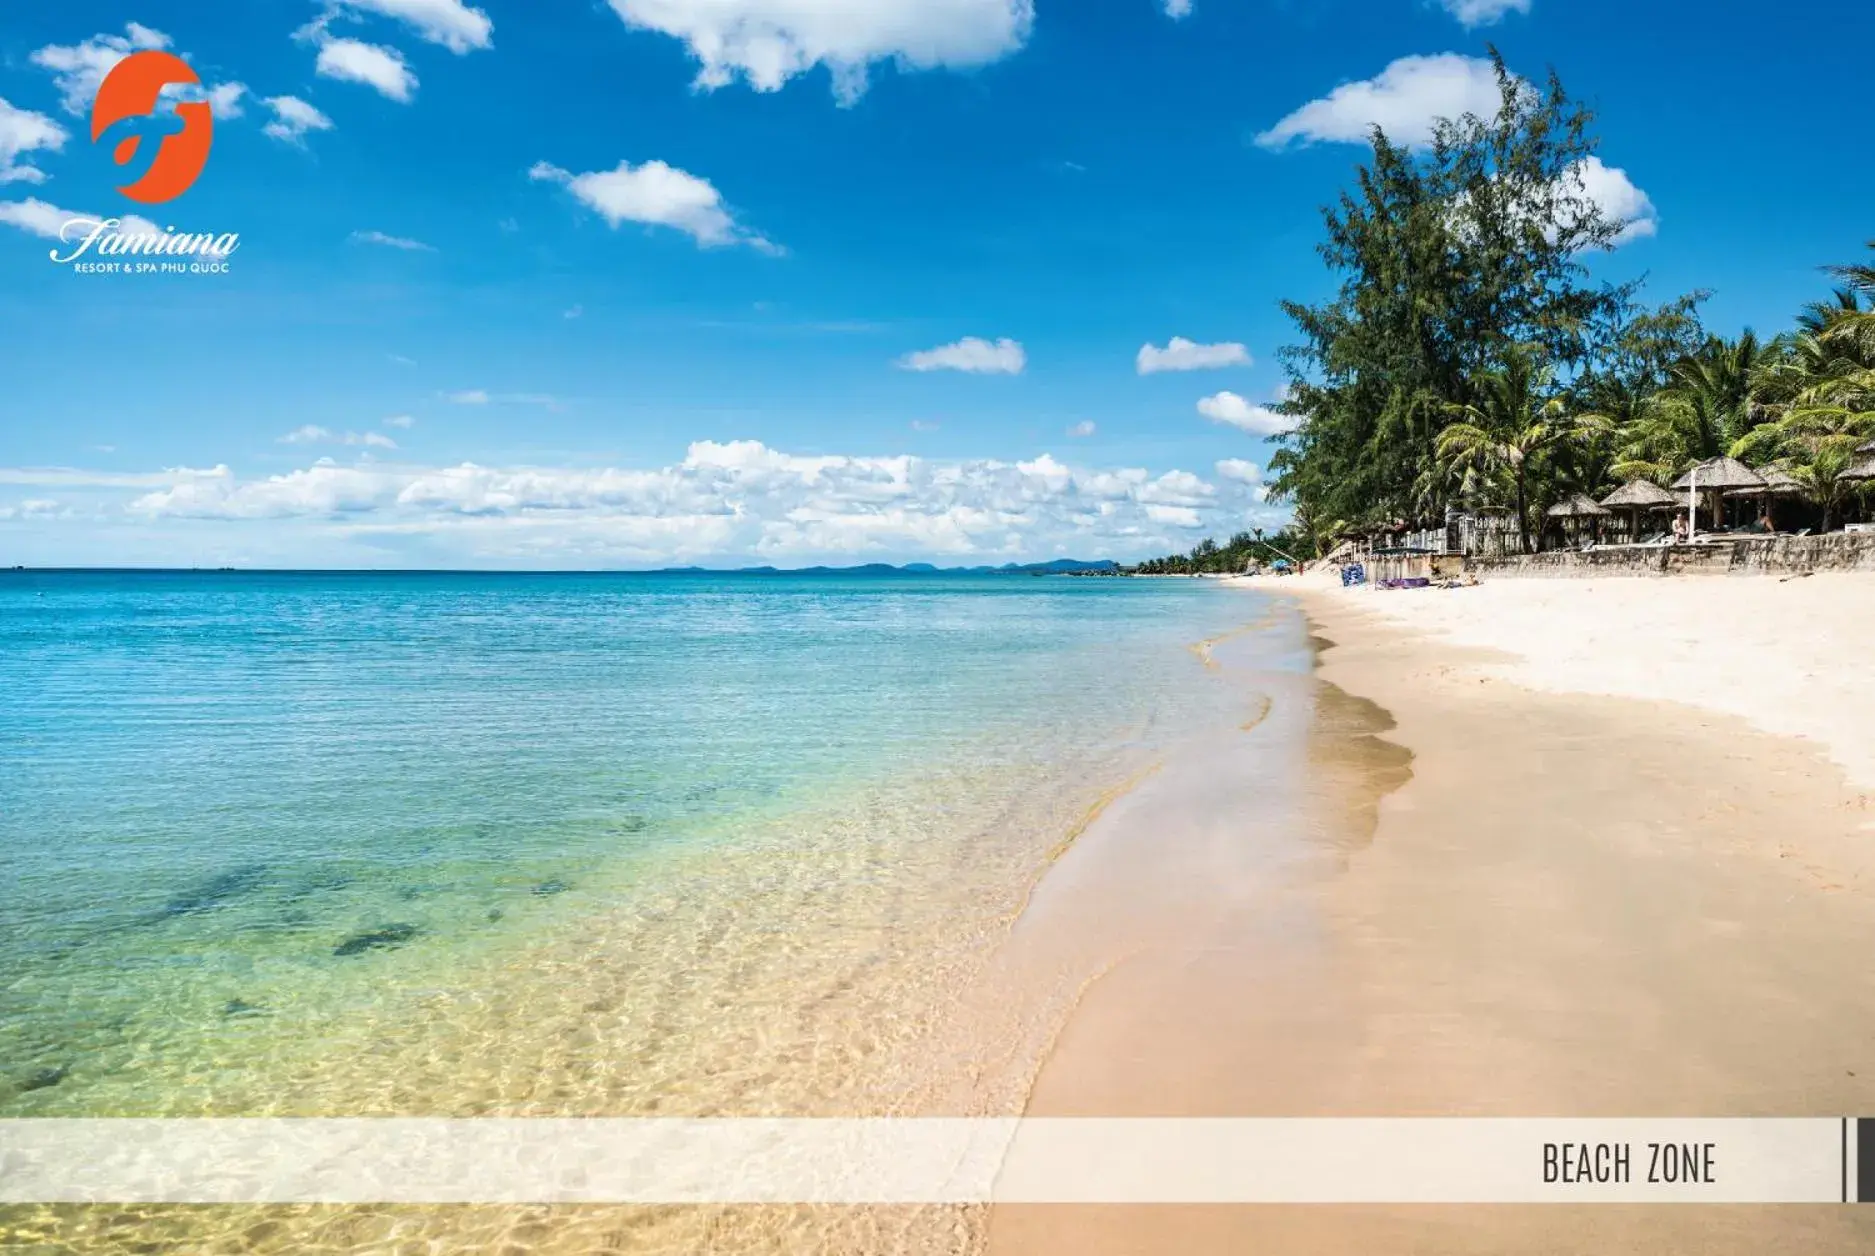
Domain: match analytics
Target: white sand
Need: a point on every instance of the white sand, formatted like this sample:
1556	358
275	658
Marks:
1790	657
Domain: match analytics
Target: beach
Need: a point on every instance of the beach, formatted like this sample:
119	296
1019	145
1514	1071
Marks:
1627	872
1325	853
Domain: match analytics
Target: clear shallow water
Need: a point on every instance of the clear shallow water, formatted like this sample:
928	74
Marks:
574	844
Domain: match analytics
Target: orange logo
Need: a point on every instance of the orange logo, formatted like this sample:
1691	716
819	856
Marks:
163	152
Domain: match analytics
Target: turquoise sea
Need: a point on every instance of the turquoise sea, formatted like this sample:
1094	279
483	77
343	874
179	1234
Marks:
469	843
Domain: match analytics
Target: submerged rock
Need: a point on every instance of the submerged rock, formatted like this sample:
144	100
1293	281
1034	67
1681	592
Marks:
215	891
553	886
633	824
494	913
241	1007
377	939
45	1078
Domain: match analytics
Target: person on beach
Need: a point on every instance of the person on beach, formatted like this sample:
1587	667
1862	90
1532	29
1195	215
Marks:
1679	529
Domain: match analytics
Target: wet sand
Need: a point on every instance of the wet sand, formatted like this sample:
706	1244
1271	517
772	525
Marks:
1503	902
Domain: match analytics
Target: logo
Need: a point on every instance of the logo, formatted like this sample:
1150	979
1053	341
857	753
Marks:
163	151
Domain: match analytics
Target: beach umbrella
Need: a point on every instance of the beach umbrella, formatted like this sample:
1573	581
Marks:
1777	483
1715	476
1862	468
1637	497
1578	506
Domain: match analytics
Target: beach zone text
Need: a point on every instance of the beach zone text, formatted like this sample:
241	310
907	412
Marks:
1601	1163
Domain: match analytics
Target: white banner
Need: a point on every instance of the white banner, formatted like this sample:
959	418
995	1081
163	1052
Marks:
931	1161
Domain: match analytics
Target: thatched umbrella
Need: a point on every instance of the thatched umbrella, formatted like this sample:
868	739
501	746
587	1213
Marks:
1862	468
1777	483
1578	506
1715	475
1637	497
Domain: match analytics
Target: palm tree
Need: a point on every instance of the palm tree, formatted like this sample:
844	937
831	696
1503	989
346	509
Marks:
1855	327
1496	445
1820	477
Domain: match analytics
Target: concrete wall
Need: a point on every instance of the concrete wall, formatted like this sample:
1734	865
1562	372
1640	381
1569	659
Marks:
1768	555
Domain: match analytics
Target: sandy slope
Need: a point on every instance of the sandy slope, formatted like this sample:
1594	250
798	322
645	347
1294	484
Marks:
1793	657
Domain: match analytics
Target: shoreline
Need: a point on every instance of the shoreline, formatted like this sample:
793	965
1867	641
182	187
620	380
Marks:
1572	904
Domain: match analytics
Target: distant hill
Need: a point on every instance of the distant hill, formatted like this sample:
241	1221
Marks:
1054	567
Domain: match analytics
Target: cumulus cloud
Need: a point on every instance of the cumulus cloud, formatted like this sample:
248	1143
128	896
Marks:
1475	13
1620	201
656	195
292	119
731	500
1084	428
391	241
1404	100
454	25
768	42
971	354
224	99
77	69
1231	409
374	65
23	131
50	222
1239	470
1186	355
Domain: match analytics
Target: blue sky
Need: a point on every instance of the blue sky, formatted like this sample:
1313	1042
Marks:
633	282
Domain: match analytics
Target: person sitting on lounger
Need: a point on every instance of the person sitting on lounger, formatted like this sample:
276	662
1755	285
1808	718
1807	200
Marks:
1679	529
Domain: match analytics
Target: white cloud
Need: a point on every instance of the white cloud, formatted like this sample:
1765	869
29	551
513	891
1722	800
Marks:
391	241
1175	516
312	434
454	25
1404	100
77	69
293	118
657	195
768	42
1239	470
1178	10
1085	427
971	354
724	501
1475	13
1229	408
224	99
1186	355
23	131
48	221
374	65
400	420
469	397
1620	201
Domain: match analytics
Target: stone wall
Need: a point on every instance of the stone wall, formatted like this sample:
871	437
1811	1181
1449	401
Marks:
1763	555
